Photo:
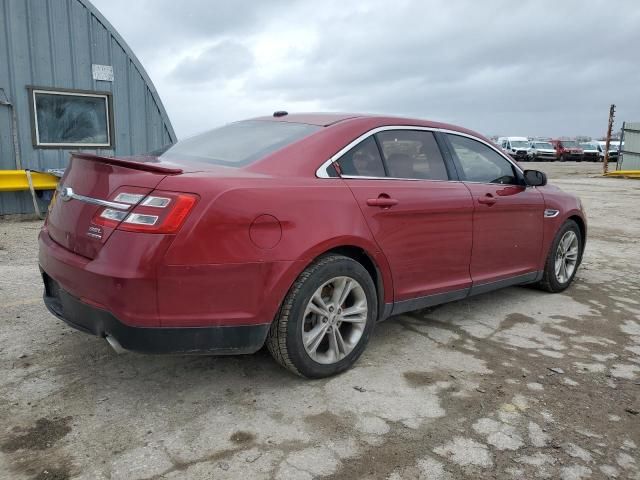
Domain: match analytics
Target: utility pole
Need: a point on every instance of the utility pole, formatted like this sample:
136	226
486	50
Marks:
605	166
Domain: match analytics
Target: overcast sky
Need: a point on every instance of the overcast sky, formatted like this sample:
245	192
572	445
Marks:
496	66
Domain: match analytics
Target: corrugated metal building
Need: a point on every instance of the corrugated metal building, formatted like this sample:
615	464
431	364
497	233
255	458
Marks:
631	149
69	82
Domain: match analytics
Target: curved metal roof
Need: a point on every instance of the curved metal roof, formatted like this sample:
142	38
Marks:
134	59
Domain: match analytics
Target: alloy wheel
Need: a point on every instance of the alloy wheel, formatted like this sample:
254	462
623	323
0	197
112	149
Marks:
566	257
334	320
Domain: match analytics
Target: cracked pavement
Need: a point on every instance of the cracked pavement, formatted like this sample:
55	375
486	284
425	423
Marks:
514	384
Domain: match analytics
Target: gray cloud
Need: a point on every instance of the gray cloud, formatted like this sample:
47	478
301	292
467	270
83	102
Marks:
226	59
157	26
537	68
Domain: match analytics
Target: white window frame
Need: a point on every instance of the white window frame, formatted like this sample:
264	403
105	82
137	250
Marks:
106	96
322	172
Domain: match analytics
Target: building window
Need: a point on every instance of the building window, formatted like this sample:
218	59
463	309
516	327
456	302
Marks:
71	118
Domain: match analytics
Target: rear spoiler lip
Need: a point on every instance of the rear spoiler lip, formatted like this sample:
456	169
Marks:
146	166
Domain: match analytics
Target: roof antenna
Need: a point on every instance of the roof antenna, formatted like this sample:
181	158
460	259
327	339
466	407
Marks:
280	113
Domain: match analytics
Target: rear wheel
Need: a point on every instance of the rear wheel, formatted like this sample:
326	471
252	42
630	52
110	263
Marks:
326	319
563	258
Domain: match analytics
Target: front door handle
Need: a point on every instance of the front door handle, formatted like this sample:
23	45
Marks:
488	199
383	201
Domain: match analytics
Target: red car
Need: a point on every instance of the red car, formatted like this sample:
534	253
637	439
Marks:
568	150
298	231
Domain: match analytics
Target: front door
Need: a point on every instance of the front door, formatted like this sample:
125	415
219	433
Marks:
508	216
421	221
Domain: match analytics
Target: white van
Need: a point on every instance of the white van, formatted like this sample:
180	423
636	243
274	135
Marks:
614	147
517	147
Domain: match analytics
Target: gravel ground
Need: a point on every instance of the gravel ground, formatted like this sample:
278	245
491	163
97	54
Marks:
513	384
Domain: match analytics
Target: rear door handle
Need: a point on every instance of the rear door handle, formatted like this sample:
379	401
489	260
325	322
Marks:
488	199
383	201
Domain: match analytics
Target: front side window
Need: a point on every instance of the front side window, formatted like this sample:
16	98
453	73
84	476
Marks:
412	154
363	160
71	119
481	163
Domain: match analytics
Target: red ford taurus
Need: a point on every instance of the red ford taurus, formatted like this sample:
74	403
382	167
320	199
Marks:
298	231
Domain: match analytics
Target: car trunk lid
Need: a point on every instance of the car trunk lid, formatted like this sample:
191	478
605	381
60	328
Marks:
90	183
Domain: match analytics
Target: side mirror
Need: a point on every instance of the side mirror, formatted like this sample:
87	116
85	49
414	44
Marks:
535	178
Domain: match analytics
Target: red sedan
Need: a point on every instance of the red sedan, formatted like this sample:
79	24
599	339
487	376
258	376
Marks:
298	231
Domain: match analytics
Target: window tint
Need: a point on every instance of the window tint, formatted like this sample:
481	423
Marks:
481	163
239	143
363	160
412	154
71	119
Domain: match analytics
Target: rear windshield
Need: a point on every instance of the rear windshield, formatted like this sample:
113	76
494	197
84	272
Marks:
544	145
239	143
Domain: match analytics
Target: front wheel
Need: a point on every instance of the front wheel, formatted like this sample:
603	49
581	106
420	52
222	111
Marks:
326	319
563	258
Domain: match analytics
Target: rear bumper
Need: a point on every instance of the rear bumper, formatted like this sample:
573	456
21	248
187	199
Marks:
95	321
130	279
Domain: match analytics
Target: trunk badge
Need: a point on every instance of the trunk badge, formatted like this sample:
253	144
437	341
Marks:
66	193
95	232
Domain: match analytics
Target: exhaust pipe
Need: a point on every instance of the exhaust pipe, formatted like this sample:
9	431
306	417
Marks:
115	344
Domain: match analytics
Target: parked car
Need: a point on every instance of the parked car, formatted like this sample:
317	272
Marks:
567	150
614	146
591	151
517	147
541	151
298	231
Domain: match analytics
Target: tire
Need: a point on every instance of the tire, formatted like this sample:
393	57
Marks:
551	281
322	277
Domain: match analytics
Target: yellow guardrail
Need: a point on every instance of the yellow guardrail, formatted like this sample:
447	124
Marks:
624	174
17	180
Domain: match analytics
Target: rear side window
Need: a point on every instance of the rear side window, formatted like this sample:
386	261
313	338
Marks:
480	163
412	154
363	160
239	143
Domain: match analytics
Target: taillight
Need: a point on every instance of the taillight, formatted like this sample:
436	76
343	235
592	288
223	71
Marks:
158	212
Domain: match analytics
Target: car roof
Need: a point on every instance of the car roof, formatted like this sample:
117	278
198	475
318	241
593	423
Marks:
339	129
370	120
314	118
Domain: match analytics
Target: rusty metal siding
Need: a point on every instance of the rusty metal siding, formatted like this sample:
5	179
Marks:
53	43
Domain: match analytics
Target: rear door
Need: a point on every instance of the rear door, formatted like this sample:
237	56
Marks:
508	216
420	219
